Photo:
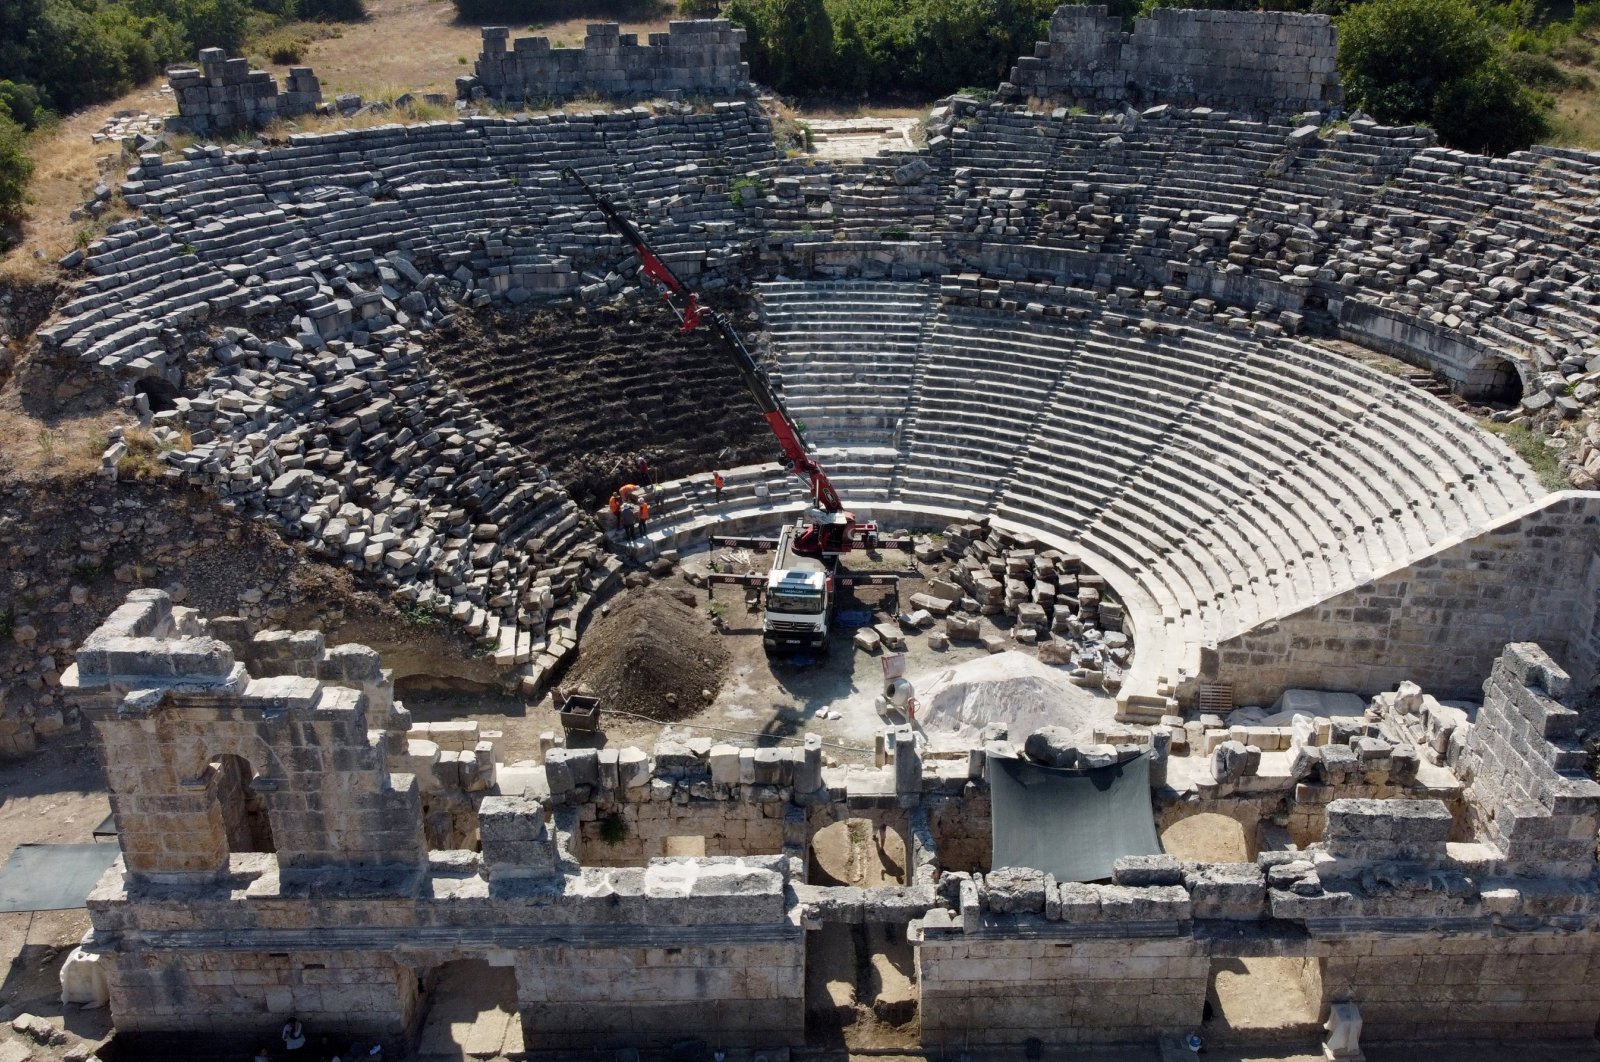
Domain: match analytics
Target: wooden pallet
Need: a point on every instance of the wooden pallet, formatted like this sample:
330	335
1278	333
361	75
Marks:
1215	698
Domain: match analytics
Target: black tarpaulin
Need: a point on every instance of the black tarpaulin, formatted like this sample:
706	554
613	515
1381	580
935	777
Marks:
1073	824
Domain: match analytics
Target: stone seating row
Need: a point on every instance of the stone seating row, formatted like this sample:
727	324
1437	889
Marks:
432	191
846	374
1233	478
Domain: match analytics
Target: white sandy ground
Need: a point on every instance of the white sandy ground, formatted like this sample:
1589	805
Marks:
1011	689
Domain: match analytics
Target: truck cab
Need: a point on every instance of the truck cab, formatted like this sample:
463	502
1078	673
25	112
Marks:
799	597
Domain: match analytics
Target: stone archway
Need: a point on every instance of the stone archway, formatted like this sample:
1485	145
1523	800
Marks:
1493	380
245	816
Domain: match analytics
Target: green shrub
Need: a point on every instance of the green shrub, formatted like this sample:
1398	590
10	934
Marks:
525	12
699	8
613	829
931	47
741	187
333	10
419	615
1541	72
283	47
16	167
1529	446
1437	62
22	104
973	42
789	42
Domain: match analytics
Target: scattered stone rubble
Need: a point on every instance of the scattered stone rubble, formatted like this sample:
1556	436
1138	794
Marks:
364	454
128	125
1055	603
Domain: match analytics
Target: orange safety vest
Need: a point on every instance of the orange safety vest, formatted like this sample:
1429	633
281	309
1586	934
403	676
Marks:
716	480
616	505
644	511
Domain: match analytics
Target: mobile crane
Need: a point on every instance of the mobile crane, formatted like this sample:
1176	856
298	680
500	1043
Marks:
800	588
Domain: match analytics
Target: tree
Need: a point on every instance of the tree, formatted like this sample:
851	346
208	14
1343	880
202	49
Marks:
1437	62
21	103
871	45
16	166
789	42
974	42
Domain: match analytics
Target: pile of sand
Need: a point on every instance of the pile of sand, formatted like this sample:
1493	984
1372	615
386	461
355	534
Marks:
1012	689
652	655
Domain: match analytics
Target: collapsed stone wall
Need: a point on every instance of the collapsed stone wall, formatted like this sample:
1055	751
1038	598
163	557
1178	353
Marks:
716	946
1530	793
347	912
224	94
698	57
1439	621
1267	62
1516	903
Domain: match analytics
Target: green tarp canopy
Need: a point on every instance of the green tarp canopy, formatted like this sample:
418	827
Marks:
1073	824
53	877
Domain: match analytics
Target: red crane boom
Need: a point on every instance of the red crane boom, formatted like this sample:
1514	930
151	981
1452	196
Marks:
839	532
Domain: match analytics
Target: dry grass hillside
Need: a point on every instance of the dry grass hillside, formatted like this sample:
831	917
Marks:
413	46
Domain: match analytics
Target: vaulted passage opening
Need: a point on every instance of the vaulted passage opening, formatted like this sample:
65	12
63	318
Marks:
244	810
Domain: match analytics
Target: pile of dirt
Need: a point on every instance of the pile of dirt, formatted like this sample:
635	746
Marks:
653	655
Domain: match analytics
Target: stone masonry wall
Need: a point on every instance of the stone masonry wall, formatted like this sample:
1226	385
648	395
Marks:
962	830
1004	989
1481	987
362	992
728	827
168	701
1440	621
1530	794
1271	62
694	57
226	94
1473	368
746	992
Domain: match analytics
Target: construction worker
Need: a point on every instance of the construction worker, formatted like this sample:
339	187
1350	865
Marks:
630	522
616	511
717	483
644	517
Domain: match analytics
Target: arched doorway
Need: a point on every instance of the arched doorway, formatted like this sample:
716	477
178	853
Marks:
1494	381
159	393
244	810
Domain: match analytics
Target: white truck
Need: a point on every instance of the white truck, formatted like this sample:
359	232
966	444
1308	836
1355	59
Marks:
799	593
799	599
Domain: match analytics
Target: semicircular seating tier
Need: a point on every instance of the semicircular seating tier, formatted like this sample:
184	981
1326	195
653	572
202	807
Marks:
1230	471
1217	477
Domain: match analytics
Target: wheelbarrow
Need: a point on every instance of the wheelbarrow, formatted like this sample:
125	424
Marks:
579	711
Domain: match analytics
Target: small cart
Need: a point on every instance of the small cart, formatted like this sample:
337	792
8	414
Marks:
579	709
